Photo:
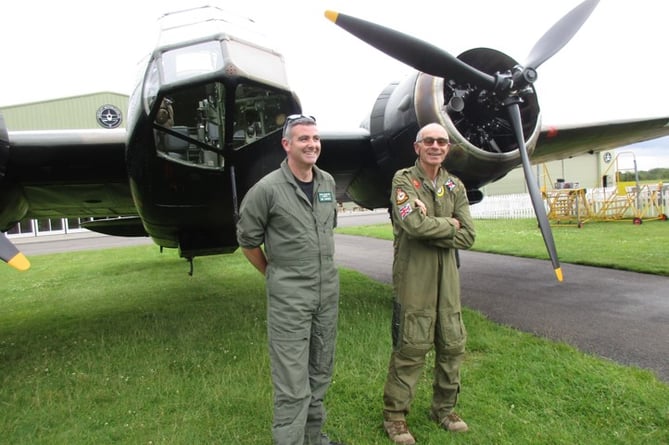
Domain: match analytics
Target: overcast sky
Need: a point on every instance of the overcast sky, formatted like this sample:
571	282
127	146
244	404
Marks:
615	67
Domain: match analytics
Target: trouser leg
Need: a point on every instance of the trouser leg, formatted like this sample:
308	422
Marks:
399	390
321	366
291	390
288	325
450	352
412	339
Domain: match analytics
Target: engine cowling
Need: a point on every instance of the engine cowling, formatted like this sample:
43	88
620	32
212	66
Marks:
483	145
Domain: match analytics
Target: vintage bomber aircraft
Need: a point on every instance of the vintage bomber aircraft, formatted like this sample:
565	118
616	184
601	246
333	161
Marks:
204	124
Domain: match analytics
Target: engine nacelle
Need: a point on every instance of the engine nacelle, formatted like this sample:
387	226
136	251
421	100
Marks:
483	146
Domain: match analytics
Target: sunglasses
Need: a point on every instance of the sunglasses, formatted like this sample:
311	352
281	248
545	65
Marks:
295	119
442	142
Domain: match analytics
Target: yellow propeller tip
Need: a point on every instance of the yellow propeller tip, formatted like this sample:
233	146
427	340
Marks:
558	274
332	16
19	262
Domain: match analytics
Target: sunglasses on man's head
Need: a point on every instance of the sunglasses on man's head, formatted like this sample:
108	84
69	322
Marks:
297	118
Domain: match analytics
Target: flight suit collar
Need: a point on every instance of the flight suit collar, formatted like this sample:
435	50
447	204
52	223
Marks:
289	174
318	178
425	179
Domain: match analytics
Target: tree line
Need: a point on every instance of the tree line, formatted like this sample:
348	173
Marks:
655	174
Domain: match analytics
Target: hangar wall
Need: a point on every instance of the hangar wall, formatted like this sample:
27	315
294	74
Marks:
89	111
97	110
587	170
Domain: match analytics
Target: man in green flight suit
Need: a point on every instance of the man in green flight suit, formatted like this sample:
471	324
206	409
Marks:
293	212
431	219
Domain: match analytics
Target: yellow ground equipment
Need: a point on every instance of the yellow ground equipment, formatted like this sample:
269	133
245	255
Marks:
568	203
568	206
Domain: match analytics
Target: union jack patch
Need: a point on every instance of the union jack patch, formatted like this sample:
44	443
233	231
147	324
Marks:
405	210
450	184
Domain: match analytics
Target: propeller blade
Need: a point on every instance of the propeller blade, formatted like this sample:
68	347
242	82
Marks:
535	194
560	33
11	255
416	53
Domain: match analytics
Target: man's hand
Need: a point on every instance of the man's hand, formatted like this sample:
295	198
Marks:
423	209
419	204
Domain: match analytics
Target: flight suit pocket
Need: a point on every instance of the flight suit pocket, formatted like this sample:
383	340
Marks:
452	331
419	330
290	217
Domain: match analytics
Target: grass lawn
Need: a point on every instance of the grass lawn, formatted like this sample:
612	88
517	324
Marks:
618	245
122	346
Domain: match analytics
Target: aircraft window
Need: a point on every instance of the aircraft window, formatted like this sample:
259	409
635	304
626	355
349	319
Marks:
258	112
258	63
191	61
190	124
151	85
206	22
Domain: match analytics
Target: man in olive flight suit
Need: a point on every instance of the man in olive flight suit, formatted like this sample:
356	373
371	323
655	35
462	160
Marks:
293	212
431	219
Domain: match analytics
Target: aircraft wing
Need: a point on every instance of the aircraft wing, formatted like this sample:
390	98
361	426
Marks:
564	142
65	174
344	155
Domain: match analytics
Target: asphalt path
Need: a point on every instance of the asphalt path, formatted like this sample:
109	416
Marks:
618	315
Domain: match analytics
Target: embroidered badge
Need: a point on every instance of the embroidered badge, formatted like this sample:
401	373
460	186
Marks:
405	210
416	183
450	184
400	196
440	192
324	196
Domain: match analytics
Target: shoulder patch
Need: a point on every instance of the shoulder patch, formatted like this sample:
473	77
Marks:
400	196
405	210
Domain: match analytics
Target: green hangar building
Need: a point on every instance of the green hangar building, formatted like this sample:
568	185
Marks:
88	111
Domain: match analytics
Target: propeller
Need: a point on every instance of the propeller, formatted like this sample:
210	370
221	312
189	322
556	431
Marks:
508	86
560	33
416	53
11	255
553	40
535	194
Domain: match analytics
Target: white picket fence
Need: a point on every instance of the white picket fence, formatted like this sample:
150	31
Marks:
651	202
516	206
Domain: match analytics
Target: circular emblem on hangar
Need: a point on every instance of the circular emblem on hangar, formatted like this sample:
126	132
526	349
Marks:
109	116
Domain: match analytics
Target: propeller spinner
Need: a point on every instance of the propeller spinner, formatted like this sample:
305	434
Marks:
508	86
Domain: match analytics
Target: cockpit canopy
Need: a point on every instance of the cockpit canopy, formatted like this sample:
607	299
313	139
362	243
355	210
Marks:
199	43
212	85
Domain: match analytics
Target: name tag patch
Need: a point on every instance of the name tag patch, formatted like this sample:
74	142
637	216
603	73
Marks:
325	197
